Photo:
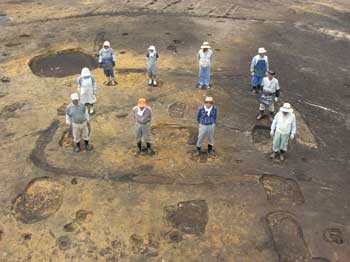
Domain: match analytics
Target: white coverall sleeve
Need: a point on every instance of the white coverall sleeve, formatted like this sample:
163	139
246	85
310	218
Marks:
252	65
94	86
274	123
78	84
100	57
113	55
68	120
87	114
293	127
267	64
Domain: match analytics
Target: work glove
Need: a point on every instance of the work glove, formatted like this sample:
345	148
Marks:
252	73
292	136
276	99
113	63
272	133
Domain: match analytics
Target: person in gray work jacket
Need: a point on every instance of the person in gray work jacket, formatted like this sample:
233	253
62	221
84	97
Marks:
143	118
107	60
270	95
206	118
77	118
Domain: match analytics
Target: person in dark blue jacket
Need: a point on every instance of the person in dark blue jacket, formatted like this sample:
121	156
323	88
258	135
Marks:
206	118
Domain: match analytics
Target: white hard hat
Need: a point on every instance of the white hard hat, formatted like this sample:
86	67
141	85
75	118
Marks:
74	96
85	72
262	50
209	99
152	47
106	43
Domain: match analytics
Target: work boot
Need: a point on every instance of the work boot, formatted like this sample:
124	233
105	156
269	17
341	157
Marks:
139	148
76	148
88	147
92	110
261	114
273	155
282	156
198	152
209	86
150	82
254	91
154	82
211	152
271	115
113	82
149	149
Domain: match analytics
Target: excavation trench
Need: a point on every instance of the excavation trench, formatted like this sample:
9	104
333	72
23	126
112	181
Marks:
62	63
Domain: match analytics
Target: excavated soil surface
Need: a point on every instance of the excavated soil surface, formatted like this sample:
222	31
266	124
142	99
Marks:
62	64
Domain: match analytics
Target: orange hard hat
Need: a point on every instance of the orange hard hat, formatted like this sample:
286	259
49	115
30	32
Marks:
142	102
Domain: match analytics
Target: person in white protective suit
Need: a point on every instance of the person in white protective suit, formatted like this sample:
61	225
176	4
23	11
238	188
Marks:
283	127
87	89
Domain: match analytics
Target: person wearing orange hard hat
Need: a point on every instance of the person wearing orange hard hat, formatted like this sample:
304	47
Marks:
143	118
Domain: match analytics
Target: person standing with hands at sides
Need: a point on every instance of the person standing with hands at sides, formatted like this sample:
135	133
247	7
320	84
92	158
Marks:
106	61
258	68
152	65
206	117
77	118
283	127
205	58
87	89
143	118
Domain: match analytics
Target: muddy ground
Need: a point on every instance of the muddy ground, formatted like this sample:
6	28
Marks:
107	205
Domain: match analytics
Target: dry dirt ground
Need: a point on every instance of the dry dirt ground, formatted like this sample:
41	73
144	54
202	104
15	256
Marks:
107	205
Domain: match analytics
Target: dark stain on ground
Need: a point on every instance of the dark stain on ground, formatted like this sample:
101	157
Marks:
190	217
81	215
131	70
177	110
280	190
288	237
10	110
24	36
63	243
333	235
74	181
172	48
27	236
147	245
261	133
41	198
62	64
5	79
12	44
174	236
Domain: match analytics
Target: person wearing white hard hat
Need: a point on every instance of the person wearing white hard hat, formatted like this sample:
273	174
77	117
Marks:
152	65
206	118
77	118
107	60
270	95
283	127
87	89
258	68
205	58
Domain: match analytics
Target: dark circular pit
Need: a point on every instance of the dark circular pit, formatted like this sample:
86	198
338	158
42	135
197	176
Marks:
62	64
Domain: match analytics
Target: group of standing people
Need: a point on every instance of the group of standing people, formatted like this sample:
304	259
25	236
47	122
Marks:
283	125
